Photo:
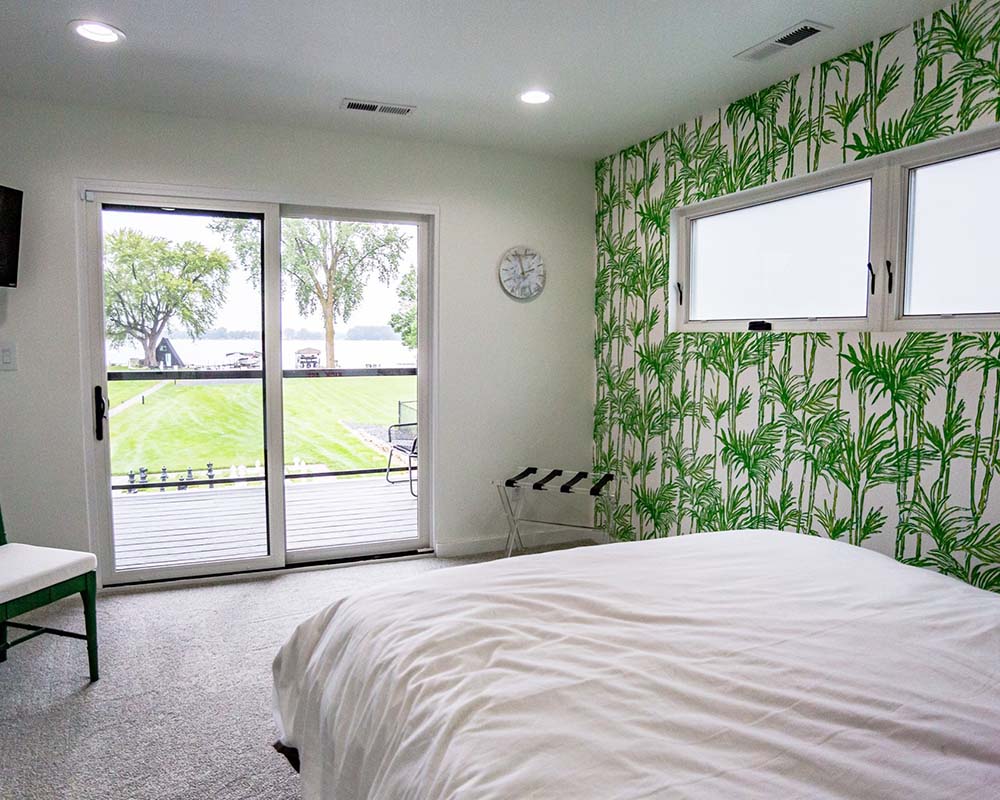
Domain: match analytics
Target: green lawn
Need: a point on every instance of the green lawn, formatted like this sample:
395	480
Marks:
187	424
120	391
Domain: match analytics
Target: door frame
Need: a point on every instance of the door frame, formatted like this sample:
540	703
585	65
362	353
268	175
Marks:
94	368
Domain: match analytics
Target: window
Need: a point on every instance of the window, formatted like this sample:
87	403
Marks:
952	253
821	252
804	256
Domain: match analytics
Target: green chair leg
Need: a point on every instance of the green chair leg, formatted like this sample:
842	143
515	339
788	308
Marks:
89	595
3	641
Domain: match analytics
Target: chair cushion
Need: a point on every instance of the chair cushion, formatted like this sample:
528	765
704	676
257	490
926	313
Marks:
25	568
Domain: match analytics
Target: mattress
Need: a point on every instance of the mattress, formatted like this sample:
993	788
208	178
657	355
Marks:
720	665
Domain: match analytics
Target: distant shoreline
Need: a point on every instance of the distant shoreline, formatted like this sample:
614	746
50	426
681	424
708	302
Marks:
358	333
356	353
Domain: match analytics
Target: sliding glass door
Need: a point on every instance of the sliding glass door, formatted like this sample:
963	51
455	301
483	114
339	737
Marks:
256	398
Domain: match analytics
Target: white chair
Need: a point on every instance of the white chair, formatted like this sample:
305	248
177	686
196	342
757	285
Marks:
32	577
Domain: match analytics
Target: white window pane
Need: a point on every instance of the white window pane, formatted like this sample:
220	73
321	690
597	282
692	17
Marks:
953	265
801	257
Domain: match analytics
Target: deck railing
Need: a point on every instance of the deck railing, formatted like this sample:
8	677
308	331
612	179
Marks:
182	374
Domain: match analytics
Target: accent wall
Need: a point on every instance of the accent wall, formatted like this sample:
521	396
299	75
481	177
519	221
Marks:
889	441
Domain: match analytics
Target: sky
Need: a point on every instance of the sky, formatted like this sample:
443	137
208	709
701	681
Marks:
243	300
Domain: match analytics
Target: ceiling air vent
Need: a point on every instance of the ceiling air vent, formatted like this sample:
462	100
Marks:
782	41
398	109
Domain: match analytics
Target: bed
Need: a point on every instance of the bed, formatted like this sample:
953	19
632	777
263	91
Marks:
720	665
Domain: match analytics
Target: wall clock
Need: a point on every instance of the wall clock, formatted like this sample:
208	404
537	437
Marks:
522	273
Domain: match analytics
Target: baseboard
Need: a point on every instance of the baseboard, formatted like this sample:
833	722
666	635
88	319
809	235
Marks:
233	577
496	544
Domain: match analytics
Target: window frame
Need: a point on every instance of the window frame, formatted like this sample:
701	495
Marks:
889	174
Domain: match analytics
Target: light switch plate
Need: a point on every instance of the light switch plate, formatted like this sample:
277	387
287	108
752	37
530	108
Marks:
8	357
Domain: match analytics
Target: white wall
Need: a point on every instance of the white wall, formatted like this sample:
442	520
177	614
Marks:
515	380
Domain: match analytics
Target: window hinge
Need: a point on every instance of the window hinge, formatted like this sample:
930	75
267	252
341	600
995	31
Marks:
888	267
87	196
680	293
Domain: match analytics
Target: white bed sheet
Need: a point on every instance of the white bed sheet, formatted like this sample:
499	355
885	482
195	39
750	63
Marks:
719	665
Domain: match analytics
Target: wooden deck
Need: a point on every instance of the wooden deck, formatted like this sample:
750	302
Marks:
155	529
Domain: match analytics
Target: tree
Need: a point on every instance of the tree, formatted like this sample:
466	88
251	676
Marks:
404	321
150	282
328	263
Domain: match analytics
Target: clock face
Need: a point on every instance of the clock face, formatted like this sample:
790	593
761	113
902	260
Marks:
522	273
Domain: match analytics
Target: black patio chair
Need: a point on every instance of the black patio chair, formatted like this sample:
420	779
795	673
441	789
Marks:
403	440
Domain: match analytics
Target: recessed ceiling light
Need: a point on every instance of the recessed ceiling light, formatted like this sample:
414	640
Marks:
97	31
536	96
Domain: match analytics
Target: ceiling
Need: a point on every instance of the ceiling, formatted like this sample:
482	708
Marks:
620	70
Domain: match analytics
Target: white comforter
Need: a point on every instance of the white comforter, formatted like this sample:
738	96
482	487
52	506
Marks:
726	665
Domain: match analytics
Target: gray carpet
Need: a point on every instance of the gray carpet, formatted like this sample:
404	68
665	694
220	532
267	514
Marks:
182	709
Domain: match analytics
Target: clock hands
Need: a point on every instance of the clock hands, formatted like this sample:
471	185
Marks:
522	273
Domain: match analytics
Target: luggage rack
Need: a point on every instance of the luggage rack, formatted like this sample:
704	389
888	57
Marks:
538	479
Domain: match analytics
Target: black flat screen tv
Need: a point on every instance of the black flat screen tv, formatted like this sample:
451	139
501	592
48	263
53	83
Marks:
10	234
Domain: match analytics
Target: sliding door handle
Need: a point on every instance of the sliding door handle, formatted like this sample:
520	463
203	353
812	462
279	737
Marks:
100	413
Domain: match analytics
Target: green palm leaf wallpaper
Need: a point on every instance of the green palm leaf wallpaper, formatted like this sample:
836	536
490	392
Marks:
890	441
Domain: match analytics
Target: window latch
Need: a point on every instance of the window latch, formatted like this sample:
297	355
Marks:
680	293
871	274
888	267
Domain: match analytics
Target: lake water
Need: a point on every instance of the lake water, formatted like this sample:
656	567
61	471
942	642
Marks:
350	353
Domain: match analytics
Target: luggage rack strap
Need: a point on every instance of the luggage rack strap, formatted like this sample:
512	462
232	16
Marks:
539	486
568	486
574	485
524	473
599	486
